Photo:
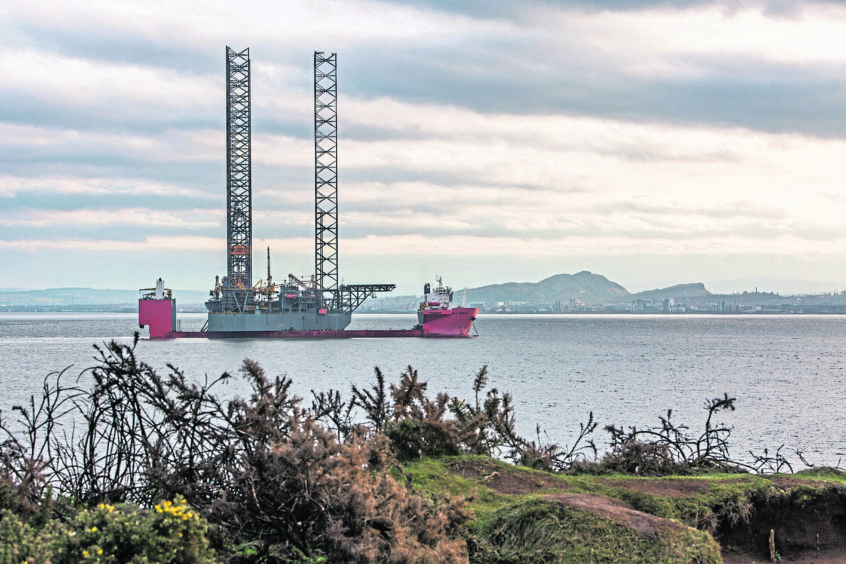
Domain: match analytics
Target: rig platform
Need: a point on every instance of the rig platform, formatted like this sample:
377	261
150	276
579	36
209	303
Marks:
317	306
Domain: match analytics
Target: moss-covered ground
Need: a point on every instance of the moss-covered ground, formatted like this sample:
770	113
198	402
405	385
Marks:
522	515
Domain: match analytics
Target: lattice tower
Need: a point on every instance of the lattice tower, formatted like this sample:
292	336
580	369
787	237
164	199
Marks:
326	177
239	217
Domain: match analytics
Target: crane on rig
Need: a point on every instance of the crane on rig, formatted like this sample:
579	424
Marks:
294	280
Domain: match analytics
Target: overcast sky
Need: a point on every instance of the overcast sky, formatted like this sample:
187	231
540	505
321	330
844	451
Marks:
652	142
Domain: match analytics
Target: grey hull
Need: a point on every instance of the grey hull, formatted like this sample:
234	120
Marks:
284	321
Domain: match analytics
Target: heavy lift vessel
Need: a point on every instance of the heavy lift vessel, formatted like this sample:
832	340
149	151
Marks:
319	308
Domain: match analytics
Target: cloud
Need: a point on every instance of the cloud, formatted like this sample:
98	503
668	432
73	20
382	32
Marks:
140	217
51	186
174	245
699	65
504	130
453	246
664	42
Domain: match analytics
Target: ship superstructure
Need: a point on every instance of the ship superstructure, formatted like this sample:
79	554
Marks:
436	316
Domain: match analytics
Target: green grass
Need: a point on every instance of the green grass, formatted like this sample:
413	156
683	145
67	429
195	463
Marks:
823	473
537	530
432	478
530	528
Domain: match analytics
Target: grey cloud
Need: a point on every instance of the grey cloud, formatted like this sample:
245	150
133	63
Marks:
645	154
97	232
511	73
44	109
724	210
104	45
32	199
516	10
191	175
388	175
727	219
51	267
301	128
486	9
501	75
746	93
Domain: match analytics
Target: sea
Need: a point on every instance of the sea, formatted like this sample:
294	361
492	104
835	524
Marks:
786	372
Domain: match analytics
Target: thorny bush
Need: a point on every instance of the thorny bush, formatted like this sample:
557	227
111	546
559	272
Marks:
671	448
106	534
419	426
263	471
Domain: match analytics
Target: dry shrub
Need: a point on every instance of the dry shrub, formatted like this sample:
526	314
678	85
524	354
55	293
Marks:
298	486
671	448
308	493
641	459
266	473
418	426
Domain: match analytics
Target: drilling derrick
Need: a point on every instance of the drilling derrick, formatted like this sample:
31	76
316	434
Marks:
237	288
326	179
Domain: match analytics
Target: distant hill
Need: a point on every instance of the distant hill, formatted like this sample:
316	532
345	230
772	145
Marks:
585	287
53	297
677	292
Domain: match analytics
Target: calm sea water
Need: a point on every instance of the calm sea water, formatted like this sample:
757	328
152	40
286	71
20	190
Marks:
787	372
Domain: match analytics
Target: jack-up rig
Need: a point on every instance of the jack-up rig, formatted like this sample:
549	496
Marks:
319	307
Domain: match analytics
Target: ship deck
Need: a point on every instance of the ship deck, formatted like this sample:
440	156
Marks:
341	334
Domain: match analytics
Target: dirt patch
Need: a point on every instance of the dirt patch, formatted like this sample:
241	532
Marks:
814	557
504	480
615	510
688	487
675	487
789	482
807	527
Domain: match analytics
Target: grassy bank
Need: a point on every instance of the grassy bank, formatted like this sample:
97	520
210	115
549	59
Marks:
524	515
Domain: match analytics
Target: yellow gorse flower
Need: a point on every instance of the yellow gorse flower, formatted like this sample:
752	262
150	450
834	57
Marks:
178	509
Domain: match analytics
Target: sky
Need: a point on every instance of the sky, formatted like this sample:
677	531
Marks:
486	141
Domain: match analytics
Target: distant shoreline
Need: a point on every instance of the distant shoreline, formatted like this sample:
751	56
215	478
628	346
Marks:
835	310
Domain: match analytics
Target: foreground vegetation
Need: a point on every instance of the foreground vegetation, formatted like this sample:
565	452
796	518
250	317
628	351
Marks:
149	468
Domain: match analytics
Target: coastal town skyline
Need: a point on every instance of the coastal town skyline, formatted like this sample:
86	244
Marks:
656	143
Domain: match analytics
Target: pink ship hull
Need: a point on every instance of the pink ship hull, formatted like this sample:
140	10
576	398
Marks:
325	334
454	322
160	317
